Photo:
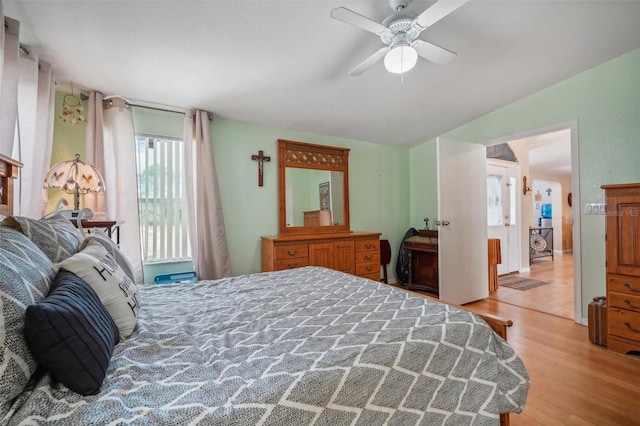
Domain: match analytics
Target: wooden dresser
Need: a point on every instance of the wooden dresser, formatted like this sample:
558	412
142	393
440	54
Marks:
623	266
356	253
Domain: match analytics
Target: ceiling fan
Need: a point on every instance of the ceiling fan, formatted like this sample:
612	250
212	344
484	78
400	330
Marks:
400	32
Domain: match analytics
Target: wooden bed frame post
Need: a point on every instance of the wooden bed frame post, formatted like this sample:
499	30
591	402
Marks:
9	169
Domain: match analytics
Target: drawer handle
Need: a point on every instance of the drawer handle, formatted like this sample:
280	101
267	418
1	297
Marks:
292	265
368	258
369	268
368	246
635	330
631	304
627	285
292	254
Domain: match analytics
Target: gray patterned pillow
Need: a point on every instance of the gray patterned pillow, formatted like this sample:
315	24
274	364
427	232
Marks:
54	235
25	276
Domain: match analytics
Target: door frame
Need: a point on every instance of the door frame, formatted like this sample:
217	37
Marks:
572	125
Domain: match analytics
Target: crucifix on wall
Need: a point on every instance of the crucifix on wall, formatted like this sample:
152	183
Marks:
260	158
548	191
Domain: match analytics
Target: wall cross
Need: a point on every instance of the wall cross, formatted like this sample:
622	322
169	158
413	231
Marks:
548	191
260	158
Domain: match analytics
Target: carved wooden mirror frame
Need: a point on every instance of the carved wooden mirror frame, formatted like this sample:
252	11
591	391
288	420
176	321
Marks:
317	157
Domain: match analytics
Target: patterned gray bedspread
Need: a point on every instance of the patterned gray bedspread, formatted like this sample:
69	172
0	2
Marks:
303	346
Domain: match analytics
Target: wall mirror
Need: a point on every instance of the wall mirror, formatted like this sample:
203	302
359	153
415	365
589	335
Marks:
313	188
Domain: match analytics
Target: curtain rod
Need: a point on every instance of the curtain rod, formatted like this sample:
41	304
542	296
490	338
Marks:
209	114
85	97
154	108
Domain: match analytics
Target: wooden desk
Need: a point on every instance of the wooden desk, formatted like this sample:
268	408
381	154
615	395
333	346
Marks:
110	227
422	251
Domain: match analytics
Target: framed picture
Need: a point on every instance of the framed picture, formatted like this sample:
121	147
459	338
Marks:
325	196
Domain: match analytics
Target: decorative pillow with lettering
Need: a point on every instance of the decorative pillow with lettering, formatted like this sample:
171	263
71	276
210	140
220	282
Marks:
116	291
113	250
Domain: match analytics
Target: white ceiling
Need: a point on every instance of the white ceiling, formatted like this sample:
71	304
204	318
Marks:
285	63
549	153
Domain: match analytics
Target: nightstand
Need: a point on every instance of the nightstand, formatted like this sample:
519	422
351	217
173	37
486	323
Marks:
110	227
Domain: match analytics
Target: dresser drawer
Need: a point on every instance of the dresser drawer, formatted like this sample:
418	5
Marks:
291	263
294	251
374	276
368	268
368	245
368	257
624	301
623	284
624	323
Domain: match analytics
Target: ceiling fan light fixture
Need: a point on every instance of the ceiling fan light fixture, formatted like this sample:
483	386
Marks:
400	59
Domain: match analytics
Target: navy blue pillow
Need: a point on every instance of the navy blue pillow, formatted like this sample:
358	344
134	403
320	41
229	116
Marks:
71	334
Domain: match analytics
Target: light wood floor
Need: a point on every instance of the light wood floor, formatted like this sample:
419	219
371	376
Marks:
555	298
573	382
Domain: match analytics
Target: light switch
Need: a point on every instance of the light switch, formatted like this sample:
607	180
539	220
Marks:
596	208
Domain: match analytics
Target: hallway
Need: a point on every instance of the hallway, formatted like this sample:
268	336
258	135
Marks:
555	298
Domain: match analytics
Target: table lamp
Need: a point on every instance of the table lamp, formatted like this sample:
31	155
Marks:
74	177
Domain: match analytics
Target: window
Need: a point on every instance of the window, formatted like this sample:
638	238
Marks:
162	205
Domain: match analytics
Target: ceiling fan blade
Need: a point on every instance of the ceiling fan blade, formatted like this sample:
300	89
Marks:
367	63
438	11
433	53
352	18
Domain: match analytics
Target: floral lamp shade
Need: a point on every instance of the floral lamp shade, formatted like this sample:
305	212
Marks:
74	177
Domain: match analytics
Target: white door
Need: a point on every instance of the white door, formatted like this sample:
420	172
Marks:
502	213
462	218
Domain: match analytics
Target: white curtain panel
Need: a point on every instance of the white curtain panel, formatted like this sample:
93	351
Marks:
1	44
121	178
9	85
110	148
206	222
26	117
94	151
36	96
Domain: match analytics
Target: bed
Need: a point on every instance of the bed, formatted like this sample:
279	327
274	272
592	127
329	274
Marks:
294	347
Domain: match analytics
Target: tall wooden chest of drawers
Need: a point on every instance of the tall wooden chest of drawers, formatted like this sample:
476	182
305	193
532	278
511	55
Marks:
623	266
356	253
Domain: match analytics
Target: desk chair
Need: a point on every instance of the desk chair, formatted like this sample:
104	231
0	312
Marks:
385	258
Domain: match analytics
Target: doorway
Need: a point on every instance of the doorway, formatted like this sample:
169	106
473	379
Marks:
544	156
503	212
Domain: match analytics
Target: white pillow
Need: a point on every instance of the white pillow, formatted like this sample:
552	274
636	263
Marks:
117	292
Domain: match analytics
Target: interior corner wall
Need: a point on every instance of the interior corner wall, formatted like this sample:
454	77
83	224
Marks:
424	185
605	101
68	140
378	182
378	187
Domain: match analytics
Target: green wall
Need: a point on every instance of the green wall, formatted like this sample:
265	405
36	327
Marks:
424	185
378	187
378	181
606	103
68	140
384	181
